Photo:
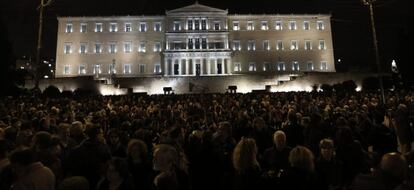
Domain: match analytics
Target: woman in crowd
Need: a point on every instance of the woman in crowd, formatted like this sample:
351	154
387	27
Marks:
117	176
172	173
301	174
247	169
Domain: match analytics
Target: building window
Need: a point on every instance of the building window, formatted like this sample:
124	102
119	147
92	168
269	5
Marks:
320	25
292	25
309	66
97	69
157	68
127	47
237	67
69	28
266	66
112	47
278	25
157	47
322	45
142	26
98	48
190	24
196	24
142	47
98	27
236	45
157	27
82	69
197	43
250	25
216	25
236	25
203	24
190	43
177	26
295	66
128	27
251	45
68	48
324	65
308	45
279	45
83	27
252	66
112	69
264	25
306	25
281	66
66	70
203	43
141	68
266	45
113	27
294	45
83	48
127	69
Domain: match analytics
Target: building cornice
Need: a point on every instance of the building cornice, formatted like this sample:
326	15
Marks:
111	18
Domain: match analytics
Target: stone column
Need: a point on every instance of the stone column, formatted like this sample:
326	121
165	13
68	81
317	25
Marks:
180	69
222	65
209	66
172	66
229	66
187	67
165	66
215	66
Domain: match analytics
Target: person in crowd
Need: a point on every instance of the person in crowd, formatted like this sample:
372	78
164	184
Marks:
117	176
6	174
30	174
45	153
275	158
328	167
75	183
349	151
247	169
301	173
90	157
115	145
76	132
403	130
139	164
223	144
261	134
391	174
293	130
172	172
382	138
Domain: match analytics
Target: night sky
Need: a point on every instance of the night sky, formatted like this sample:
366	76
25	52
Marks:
352	36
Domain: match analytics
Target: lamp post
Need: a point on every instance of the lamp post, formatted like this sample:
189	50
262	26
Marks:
375	42
41	7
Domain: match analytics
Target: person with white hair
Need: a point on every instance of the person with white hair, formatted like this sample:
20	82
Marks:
276	157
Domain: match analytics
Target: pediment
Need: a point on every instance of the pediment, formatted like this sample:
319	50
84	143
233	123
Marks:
197	8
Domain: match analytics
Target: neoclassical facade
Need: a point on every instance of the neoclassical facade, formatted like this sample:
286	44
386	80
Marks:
195	40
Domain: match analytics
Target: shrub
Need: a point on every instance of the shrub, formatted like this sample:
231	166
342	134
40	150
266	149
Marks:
51	92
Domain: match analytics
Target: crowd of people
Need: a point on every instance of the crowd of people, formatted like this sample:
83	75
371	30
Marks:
290	140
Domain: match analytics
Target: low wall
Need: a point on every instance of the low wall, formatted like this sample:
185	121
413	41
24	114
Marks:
208	84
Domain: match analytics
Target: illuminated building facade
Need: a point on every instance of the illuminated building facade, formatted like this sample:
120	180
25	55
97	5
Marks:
195	40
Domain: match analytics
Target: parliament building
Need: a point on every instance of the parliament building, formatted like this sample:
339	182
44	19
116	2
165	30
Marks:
195	40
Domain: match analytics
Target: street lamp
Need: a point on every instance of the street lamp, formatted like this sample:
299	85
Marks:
42	5
375	42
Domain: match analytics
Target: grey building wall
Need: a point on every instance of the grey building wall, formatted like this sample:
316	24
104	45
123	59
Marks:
153	63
